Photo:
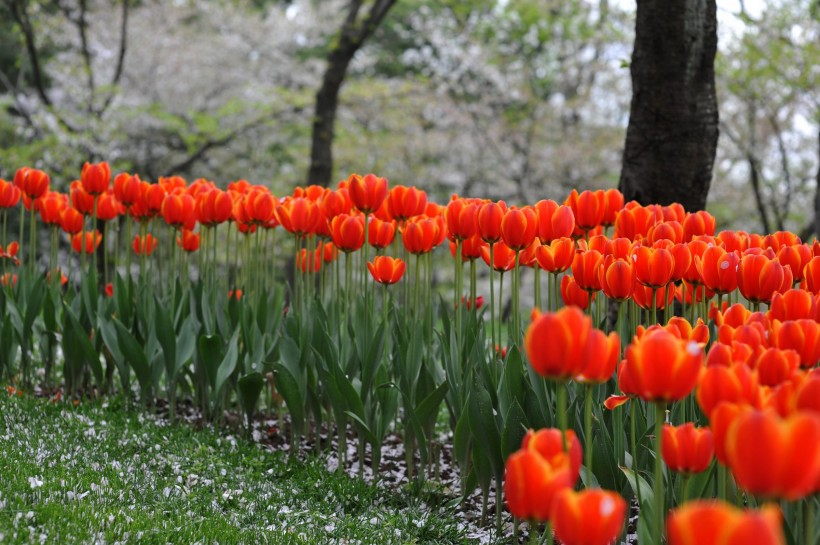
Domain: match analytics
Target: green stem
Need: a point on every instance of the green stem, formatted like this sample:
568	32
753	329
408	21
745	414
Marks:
588	390
516	317
633	437
537	284
660	411
561	409
492	300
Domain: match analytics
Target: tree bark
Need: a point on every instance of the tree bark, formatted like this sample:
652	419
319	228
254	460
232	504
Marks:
354	33
672	135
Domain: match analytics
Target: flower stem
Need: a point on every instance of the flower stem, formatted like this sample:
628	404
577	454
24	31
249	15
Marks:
660	411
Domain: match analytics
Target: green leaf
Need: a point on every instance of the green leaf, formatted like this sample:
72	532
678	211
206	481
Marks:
249	388
134	354
428	408
211	354
228	364
164	331
646	490
462	439
484	427
87	352
515	427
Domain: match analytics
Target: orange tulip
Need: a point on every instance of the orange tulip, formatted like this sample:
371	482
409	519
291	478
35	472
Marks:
774	366
603	352
653	267
81	200
503	257
613	203
557	256
634	221
774	457
9	194
405	202
419	236
298	216
518	227
462	218
560	345
697	224
51	207
811	272
585	269
178	210
573	295
92	240
718	269
32	182
661	367
96	178
214	207
309	261
367	193
588	207
548	442
796	257
347	232
708	522
758	277
329	252
736	384
666	230
687	449
531	483
335	203
794	304
127	188
470	248
554	221
489	219
802	336
188	241
71	221
386	270
380	233
589	517
617	278
144	246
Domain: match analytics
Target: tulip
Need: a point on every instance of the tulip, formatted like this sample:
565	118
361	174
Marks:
419	236
707	522
554	221
298	216
589	517
347	232
775	366
794	304
386	270
144	246
811	272
585	270
335	203
380	233
9	194
308	260
96	178
260	206
178	210
574	295
634	221
531	483
461	215
588	208
773	457
736	384
758	277
32	182
367	193
718	269
71	221
127	188
643	297
687	449
617	278
92	241
405	202
188	241
803	336
697	224
490	215
653	267
518	227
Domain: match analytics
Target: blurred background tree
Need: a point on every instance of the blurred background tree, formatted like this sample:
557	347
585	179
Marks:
514	99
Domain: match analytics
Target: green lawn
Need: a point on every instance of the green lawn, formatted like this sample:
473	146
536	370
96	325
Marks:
99	474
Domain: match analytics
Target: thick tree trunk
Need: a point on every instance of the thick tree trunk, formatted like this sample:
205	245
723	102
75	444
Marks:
673	124
354	33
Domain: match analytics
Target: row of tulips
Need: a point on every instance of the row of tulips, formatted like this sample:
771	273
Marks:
717	381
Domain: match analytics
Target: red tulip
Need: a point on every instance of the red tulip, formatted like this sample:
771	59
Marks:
718	269
557	256
661	367
71	221
589	517
687	449
518	228
588	207
708	522
420	235
178	210
32	182
554	221
503	257
586	270
127	188
367	193
653	267
490	215
405	202
9	194
758	277
144	246
92	240
188	241
386	270
347	232
697	224
574	295
96	178
380	233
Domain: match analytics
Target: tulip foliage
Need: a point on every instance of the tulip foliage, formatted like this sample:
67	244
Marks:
654	359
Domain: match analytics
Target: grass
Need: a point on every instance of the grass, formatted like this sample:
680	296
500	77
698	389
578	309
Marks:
98	473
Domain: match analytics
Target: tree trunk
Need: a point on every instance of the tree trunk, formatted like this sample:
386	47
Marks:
673	123
354	33
324	116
